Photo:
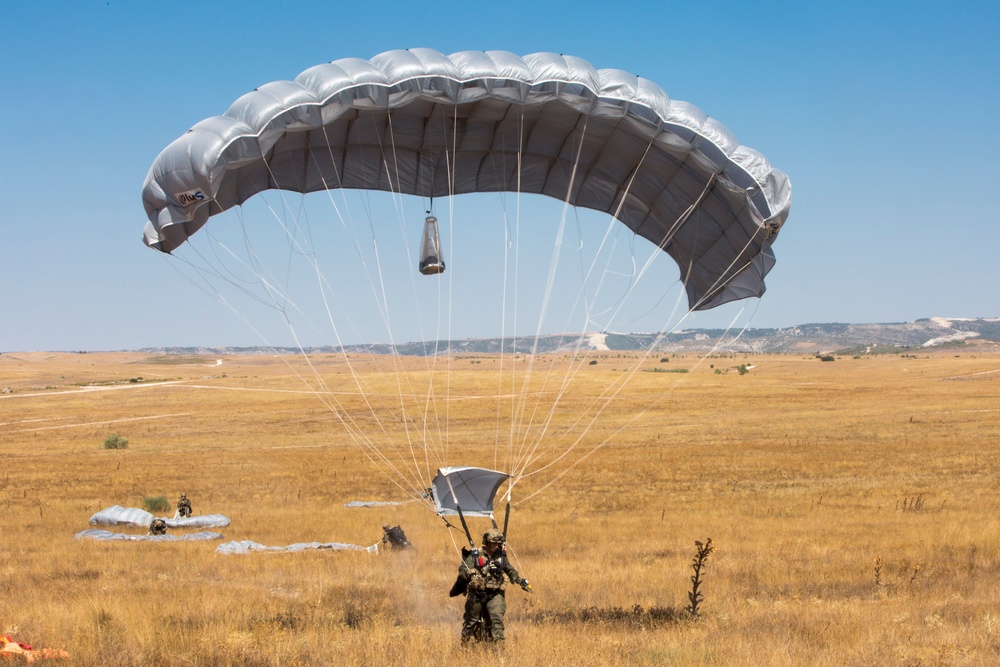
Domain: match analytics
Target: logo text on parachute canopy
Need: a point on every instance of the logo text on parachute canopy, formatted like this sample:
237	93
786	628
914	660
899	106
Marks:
191	197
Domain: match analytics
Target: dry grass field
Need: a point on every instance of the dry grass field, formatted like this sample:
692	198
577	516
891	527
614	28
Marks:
854	507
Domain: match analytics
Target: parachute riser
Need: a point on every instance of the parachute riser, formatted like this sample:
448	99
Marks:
468	535
506	519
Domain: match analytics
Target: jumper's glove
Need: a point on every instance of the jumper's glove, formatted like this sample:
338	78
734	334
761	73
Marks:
525	585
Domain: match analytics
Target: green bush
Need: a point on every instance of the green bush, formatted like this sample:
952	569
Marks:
156	504
115	441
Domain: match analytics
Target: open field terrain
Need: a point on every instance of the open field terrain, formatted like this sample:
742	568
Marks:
853	504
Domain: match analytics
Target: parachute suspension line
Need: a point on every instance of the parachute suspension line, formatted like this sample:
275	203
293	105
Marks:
430	402
449	357
420	473
373	452
521	378
431	406
614	389
729	272
515	309
633	278
743	330
430	410
509	237
635	417
328	187
533	441
520	567
327	398
525	430
632	371
363	439
534	450
451	534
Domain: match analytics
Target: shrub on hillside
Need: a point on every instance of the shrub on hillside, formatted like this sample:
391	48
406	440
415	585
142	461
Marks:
156	504
115	441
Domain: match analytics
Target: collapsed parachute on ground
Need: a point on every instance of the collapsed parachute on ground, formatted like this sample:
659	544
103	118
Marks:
108	536
247	546
371	503
490	122
463	487
132	516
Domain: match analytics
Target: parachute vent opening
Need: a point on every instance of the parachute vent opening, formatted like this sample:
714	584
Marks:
431	262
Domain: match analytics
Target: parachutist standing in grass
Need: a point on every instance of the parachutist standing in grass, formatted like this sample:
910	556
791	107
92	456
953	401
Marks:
183	507
485	575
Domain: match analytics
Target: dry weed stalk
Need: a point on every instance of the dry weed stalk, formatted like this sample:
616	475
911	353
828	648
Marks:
878	571
914	504
702	552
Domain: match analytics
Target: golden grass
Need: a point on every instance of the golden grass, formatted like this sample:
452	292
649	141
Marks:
798	471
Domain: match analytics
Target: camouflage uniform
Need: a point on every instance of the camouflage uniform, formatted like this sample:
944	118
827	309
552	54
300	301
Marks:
158	527
485	574
183	507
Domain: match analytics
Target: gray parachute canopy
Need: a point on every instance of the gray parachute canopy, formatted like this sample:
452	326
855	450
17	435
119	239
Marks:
466	487
422	123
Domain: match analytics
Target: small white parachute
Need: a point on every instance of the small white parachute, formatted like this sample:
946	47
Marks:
371	503
247	546
132	516
107	536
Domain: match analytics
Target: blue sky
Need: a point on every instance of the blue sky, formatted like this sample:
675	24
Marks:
884	115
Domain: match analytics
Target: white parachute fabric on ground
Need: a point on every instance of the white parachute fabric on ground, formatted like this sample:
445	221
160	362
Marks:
490	121
248	546
132	516
108	536
117	515
468	488
199	521
371	503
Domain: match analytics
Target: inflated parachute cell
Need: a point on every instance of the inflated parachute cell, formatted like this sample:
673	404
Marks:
421	123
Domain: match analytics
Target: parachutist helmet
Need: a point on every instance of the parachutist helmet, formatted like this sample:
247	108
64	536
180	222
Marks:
492	536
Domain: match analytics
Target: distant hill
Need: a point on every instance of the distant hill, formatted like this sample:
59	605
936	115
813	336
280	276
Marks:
832	338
